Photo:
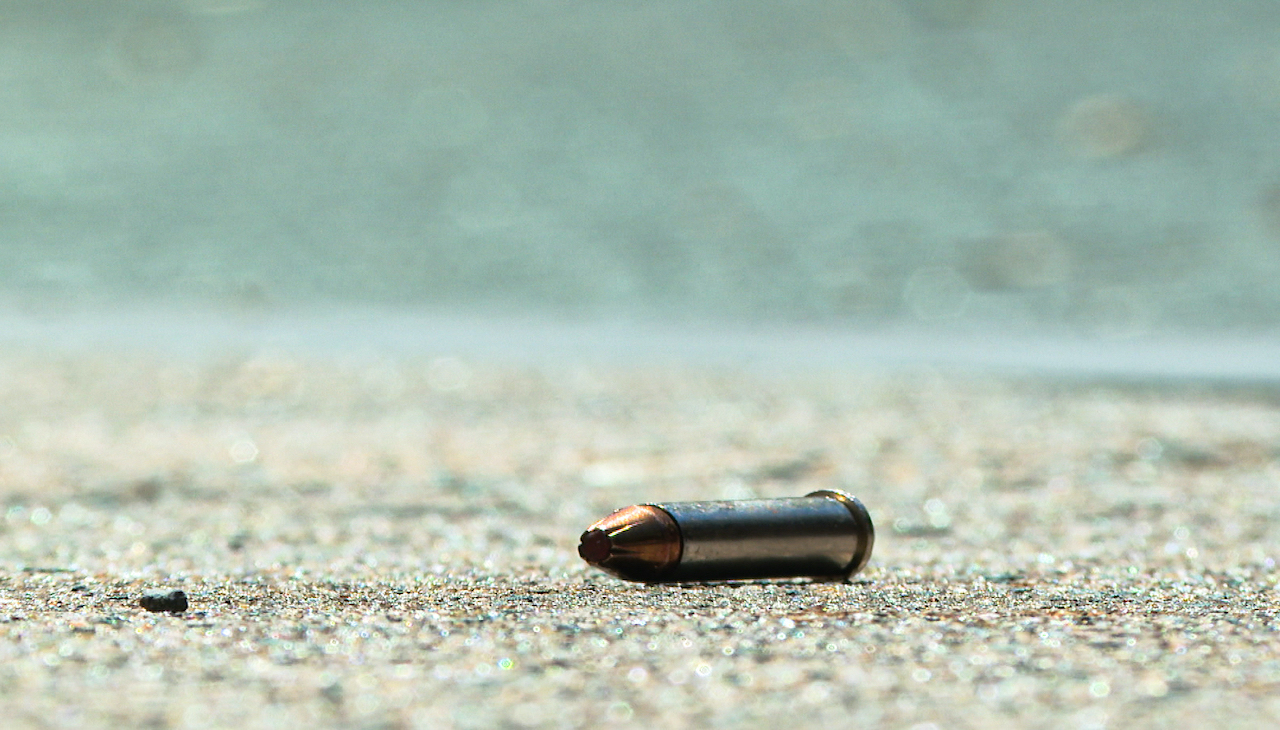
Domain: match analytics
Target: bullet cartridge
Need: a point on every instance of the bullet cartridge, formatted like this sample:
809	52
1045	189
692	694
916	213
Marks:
826	534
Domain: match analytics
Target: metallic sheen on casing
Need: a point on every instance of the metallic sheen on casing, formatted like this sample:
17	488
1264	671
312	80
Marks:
826	534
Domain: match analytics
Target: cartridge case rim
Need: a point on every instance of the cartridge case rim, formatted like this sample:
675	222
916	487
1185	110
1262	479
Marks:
866	529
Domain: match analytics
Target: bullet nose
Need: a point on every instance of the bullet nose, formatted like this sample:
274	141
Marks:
595	546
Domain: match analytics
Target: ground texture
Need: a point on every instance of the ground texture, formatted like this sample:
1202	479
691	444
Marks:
390	543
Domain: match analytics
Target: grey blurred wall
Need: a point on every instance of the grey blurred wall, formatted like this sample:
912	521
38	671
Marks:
1099	166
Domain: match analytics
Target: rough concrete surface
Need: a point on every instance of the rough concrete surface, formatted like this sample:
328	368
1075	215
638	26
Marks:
390	543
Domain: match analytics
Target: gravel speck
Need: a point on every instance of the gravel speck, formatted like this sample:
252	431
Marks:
164	601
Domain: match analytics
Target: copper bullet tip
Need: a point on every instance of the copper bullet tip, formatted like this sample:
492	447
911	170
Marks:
595	546
637	543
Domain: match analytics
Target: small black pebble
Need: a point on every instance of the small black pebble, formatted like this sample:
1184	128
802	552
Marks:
170	601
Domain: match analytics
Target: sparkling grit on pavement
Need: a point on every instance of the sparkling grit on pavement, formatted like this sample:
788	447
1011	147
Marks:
391	544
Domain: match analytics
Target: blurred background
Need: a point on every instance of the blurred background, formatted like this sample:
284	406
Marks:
1099	168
